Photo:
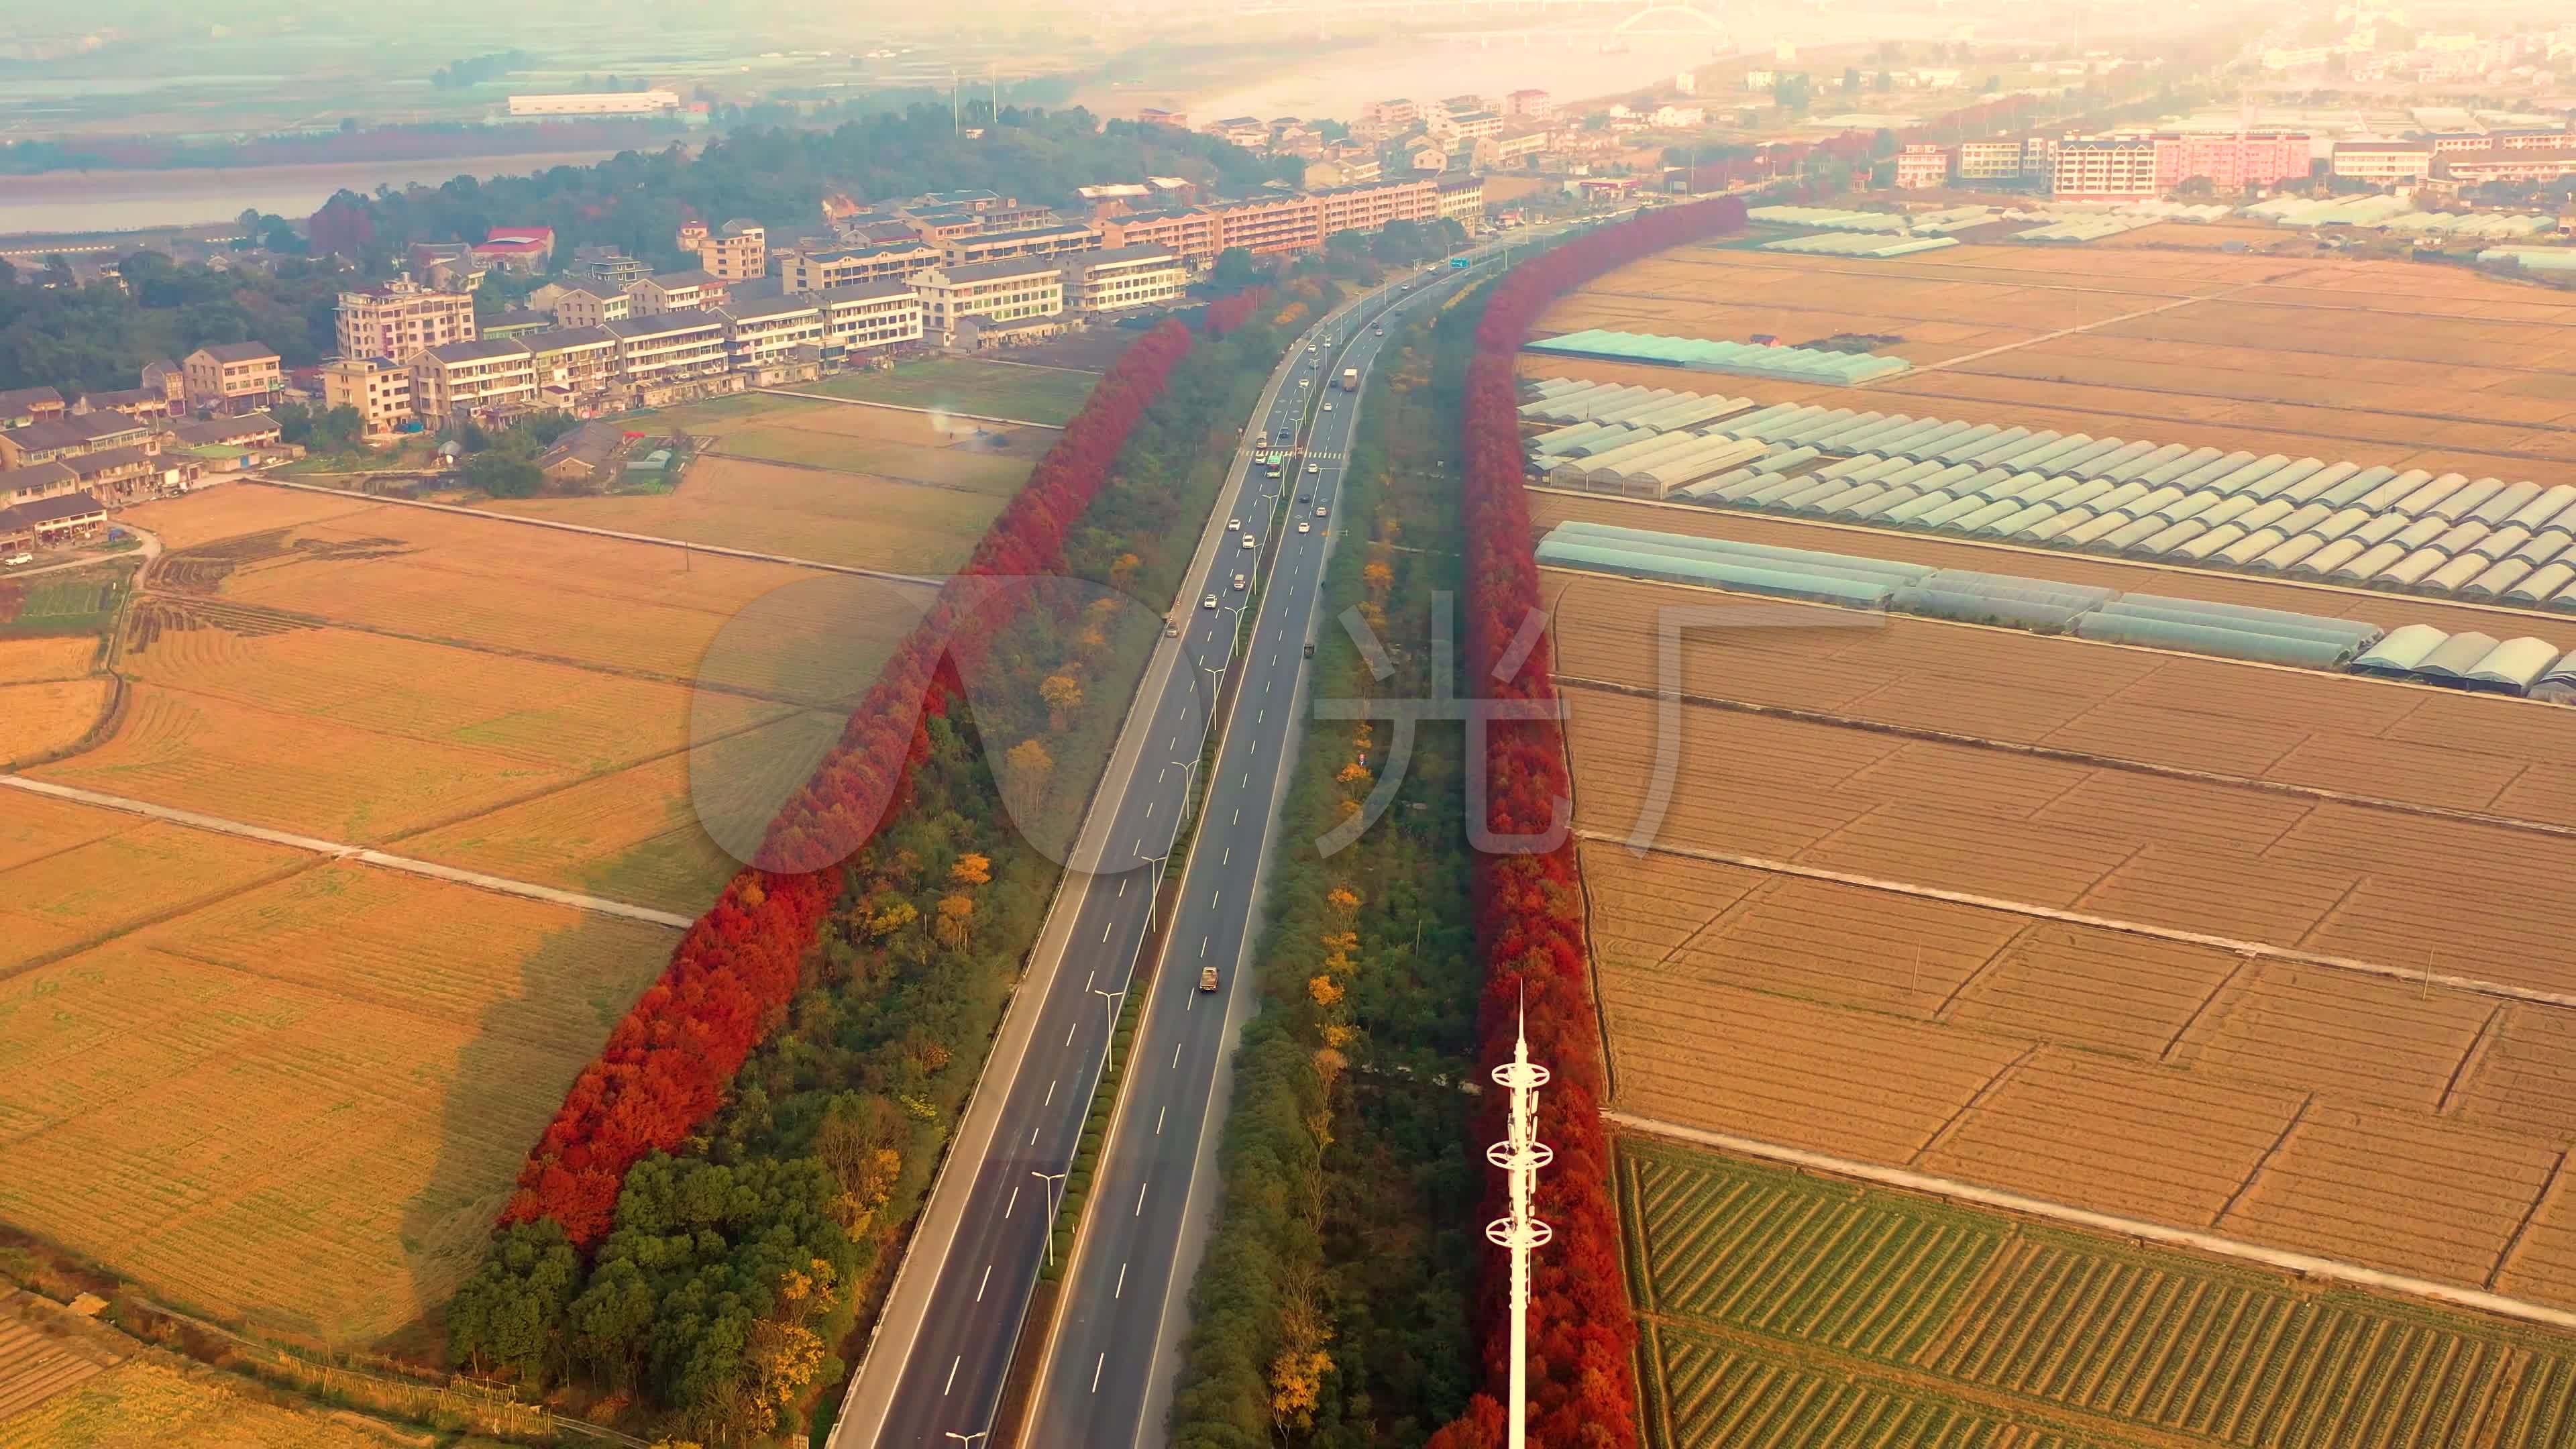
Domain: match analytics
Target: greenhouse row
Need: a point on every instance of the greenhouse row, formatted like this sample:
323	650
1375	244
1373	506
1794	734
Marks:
2083	228
2479	539
2398	214
1871	248
2415	652
1568	400
1791	364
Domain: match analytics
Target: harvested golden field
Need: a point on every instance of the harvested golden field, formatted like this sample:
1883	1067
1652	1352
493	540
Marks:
39	719
26	661
2098	925
149	1402
74	875
234	509
292	1104
2309	356
858	486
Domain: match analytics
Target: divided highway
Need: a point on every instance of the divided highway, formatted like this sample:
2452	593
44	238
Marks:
935	1372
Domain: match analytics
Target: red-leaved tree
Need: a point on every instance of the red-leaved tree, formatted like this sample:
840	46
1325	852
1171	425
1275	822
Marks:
1529	923
666	1064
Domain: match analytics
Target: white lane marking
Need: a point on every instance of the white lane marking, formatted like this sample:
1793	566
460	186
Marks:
1229	856
1122	895
1140	1202
952	1375
1149	814
1260	715
1158	1131
1121	1290
1203	943
1176	1061
1068	1041
1238	814
979	1283
1104	930
1033	1137
1247	784
1050	1097
1087	978
1265	686
1095	1370
1014	1202
1214	897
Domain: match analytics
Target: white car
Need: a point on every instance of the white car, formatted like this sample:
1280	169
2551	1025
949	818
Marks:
1250	542
1319	510
1232	524
1238	581
1314	468
1328	407
1304	527
1305	382
1208	603
18	560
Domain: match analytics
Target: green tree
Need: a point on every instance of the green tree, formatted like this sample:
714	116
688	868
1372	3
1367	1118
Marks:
504	473
509	1316
1234	270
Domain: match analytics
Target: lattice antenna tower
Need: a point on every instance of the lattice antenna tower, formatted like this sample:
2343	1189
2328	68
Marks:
1520	1155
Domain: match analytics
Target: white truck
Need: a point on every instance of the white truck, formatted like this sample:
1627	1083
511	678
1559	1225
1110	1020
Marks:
1350	379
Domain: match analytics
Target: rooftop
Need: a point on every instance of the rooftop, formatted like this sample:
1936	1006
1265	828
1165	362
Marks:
238	351
864	291
994	271
481	350
674	281
558	339
48	433
687	319
51	510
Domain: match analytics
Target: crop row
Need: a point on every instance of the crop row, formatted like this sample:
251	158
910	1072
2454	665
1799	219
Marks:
1804	1259
1722	1394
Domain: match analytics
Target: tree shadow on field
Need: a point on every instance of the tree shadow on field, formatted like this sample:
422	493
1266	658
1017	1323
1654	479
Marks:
503	1086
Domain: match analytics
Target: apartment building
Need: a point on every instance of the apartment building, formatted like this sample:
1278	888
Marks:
2105	170
942	225
457	379
134	402
1390	116
400	318
2383	163
36	480
1241	130
23	405
572	363
1468	126
818	271
674	292
1922	167
1989	160
2521	164
233	377
736	251
1508	149
1001	292
863	315
1190	231
1048	241
1366	208
760	333
669	346
2236	162
1460	199
1117	278
59	439
377	388
1533	105
582	307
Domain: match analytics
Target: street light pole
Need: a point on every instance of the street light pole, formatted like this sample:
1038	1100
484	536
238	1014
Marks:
971	1440
1052	1180
1109	1003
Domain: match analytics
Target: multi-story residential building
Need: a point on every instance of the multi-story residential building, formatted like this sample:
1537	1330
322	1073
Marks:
1004	292
400	318
1989	160
759	333
737	251
582	307
1013	214
134	402
1461	199
597	103
2521	164
1468	126
1366	208
2106	170
944	224
2383	163
669	346
233	377
24	405
1154	116
1118	278
1391	116
1188	230
457	379
36	480
517	248
2236	162
674	292
1241	130
1509	149
1271	225
572	363
1921	167
864	315
2038	158
1529	105
802	271
377	388
58	439
123	473
1002	246
169	379
606	269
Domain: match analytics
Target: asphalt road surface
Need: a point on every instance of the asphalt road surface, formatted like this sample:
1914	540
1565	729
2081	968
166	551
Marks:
956	1311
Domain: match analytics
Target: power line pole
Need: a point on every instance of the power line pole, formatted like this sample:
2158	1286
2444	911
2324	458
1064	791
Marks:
1520	1155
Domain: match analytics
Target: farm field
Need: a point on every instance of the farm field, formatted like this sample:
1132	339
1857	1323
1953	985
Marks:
79	602
2322	357
288	1105
30	660
972	385
855	486
2135	932
39	718
1781	1309
254	1084
149	1401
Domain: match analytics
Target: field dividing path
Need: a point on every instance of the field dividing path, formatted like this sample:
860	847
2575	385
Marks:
1968	357
340	851
713	549
860	402
2303	1264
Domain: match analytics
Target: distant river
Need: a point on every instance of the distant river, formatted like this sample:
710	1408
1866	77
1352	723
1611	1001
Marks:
88	201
